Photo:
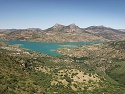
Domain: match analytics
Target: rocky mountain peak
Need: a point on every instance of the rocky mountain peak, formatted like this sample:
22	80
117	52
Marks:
57	25
73	26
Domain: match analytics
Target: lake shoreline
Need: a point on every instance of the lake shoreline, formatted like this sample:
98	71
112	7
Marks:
48	48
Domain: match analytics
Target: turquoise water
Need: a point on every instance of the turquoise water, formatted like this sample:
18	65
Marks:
47	47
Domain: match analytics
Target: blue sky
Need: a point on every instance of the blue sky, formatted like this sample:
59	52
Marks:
43	14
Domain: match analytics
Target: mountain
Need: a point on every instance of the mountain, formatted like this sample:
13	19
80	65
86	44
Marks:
106	32
33	28
70	33
7	30
123	30
61	28
57	27
23	34
71	28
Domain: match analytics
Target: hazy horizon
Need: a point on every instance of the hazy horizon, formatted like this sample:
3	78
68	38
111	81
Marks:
55	24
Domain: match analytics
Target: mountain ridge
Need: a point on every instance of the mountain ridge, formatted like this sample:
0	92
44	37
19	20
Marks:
62	33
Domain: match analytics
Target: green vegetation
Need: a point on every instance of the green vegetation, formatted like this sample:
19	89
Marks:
80	59
117	72
118	45
97	69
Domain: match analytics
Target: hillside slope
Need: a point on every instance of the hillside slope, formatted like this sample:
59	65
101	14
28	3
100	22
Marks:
80	71
106	32
61	33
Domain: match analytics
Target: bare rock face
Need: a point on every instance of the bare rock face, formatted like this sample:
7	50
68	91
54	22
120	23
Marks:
56	28
57	25
72	28
61	28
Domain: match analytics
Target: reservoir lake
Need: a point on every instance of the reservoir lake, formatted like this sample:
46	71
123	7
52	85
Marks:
47	47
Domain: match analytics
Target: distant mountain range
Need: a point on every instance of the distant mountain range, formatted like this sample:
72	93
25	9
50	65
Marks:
61	33
123	30
106	32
